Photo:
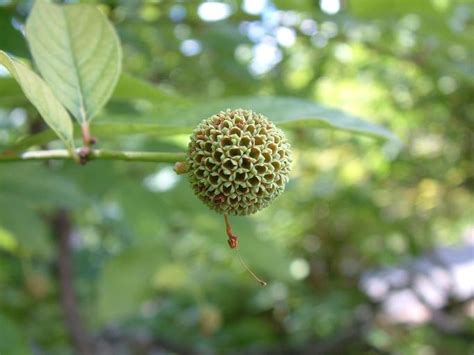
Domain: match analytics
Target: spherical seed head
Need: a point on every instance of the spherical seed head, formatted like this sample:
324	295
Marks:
238	162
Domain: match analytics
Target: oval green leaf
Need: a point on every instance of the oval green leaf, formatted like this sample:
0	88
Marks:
41	96
286	112
172	119
77	52
132	88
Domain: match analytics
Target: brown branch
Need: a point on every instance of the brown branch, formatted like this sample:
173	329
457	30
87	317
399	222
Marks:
61	225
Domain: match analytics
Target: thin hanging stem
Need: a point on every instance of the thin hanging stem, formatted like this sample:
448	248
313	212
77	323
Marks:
233	243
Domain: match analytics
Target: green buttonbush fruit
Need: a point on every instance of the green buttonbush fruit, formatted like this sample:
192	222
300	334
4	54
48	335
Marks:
238	162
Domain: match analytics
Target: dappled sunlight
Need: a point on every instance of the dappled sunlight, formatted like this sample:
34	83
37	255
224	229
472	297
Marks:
365	242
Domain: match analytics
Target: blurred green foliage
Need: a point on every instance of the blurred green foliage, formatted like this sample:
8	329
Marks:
151	262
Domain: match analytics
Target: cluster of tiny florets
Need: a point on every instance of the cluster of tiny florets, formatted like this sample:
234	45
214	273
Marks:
238	162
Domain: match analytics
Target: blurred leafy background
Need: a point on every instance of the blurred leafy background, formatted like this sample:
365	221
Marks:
152	269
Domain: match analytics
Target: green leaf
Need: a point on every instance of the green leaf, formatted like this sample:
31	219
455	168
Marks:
288	113
40	187
28	191
130	88
41	96
13	339
125	281
18	218
77	52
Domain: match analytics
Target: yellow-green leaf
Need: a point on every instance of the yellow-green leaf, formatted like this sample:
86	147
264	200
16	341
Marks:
41	96
77	52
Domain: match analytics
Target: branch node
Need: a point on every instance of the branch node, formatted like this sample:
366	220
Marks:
84	154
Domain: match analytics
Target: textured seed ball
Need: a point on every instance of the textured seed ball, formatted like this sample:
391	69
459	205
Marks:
238	162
